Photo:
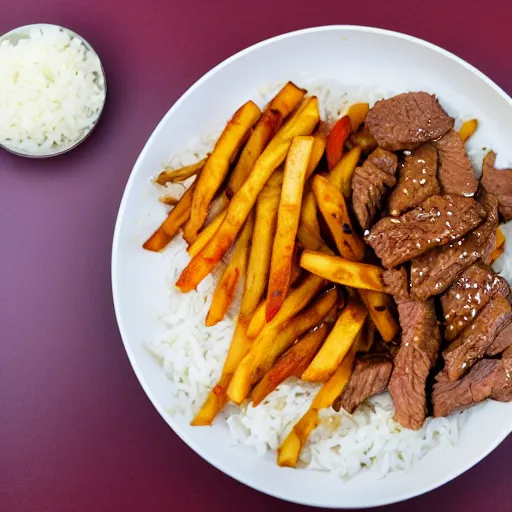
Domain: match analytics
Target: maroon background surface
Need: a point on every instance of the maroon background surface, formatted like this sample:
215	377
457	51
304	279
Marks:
77	431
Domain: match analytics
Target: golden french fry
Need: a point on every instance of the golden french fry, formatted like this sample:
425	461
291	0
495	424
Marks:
317	152
179	175
293	362
206	234
226	287
468	129
334	210
287	223
276	111
302	122
263	132
273	342
289	451
342	271
357	113
341	175
338	343
217	397
287	99
168	200
265	225
245	374
172	224
257	321
499	246
309	216
217	164
379	307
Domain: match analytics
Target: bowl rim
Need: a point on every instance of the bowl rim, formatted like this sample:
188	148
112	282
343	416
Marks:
181	432
87	134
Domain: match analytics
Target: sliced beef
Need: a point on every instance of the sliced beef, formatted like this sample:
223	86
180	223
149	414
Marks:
370	377
397	283
502	342
437	221
498	182
407	120
415	358
417	180
476	339
370	185
468	295
490	378
433	272
456	173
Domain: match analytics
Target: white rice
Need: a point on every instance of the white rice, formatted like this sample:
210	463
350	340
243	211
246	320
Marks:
52	90
192	358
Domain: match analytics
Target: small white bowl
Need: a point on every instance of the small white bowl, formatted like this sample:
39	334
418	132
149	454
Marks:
358	56
16	35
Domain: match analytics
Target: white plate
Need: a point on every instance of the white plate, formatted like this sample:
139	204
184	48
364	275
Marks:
358	56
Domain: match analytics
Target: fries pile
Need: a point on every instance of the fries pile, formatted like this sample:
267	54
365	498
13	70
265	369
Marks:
280	189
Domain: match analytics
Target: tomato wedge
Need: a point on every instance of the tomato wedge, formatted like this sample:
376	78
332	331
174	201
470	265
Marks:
339	133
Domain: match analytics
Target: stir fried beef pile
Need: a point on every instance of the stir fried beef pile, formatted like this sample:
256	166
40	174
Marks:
432	225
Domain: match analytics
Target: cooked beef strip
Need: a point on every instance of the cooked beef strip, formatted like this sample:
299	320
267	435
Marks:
468	295
498	182
369	377
502	342
416	356
417	180
407	120
476	339
433	272
370	185
396	283
489	378
456	173
437	221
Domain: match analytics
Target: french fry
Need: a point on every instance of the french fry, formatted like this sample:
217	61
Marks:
217	164
364	139
308	213
246	373
379	308
292	363
287	99
317	152
468	129
287	223
357	114
257	321
338	343
206	234
342	271
302	122
226	287
341	175
168	200
276	111
265	225
289	451
336	140
264	130
172	224
179	175
334	210
499	246
217	397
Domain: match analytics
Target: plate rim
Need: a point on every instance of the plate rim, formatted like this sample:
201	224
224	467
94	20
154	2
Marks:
177	429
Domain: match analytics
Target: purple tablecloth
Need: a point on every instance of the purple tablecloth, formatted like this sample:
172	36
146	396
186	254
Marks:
77	431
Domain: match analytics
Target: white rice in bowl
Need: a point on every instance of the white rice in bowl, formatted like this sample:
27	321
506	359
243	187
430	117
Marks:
193	355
